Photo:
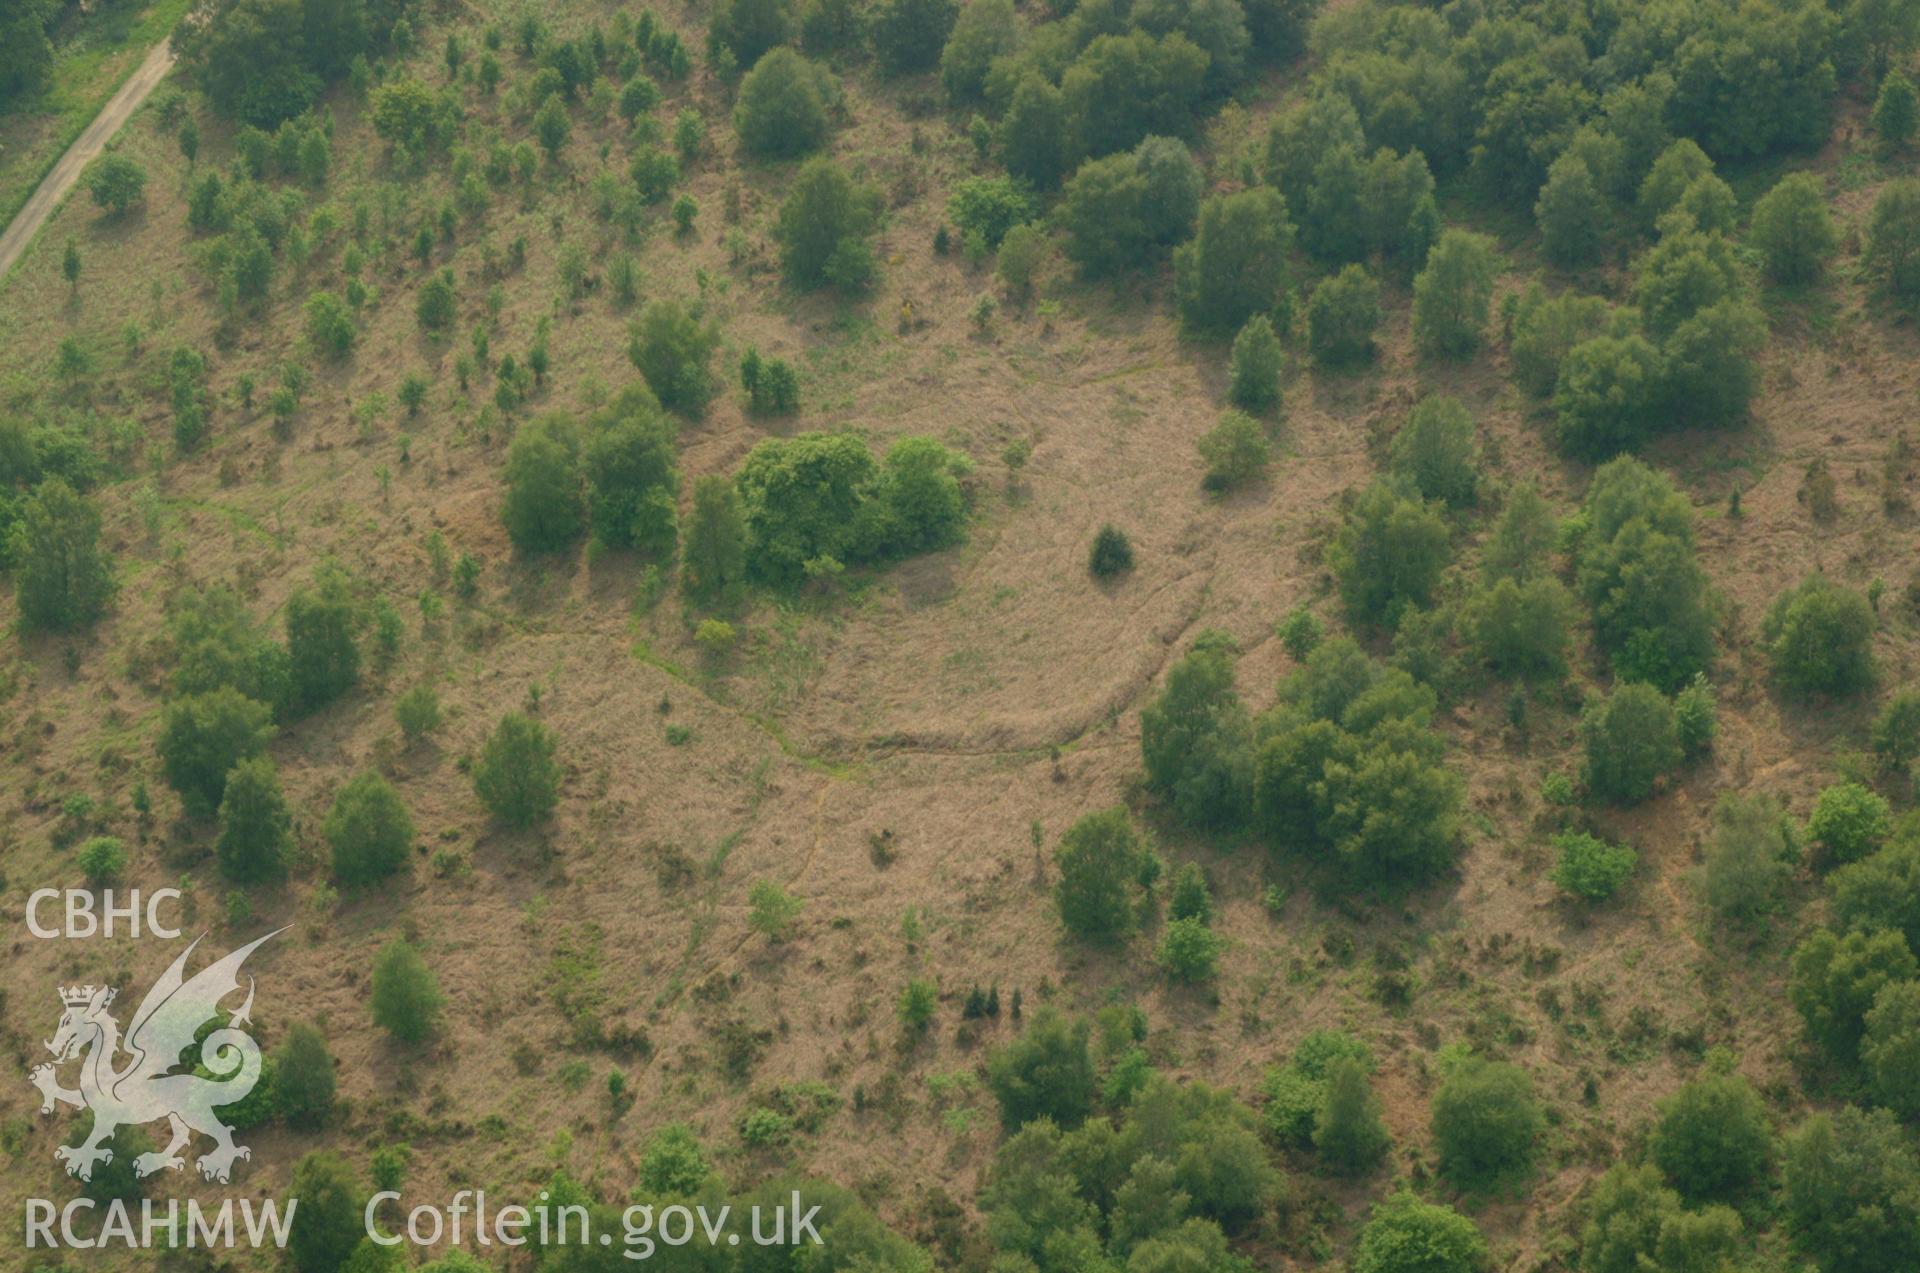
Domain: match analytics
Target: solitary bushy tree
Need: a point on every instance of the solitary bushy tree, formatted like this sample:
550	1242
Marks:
1896	110
1746	862
782	107
1235	264
1893	236
1342	314
1389	553
254	823
908	35
1406	1235
1591	869
673	349
544	507
1849	822
516	776
1820	638
1045	1073
633	476
1896	732
1713	1139
748	28
63	580
1521	629
323	651
1571	212
1436	451
823	228
203	736
1347	1129
1236	452
714	559
327	1225
1099	859
1485	1120
369	830
1711	376
1890	1047
1630	742
1637	571
1606	396
1792	229
1452	295
1852	1191
1255	369
303	1077
1837	977
116	183
406	997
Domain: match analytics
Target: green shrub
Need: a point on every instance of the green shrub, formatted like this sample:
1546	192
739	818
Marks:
1893	237
1297	1092
330	325
1485	1121
1044	1073
1896	109
417	712
1195	740
772	910
1695	716
1436	451
1890	1047
62	579
1342	314
255	826
1896	732
516	777
1638	573
1712	1138
1849	822
1348	771
434	304
1521	629
1452	295
909	35
1235	451
916	1006
713	562
323	652
988	207
369	831
1820	638
674	1163
1235	264
1256	366
1406	1235
406	998
1591	869
1606	395
1746	863
823	228
327	1225
116	183
985	30
1792	229
1190	897
303	1077
1852	1191
748	28
1389	553
1835	980
1347	1130
1545	329
203	736
1630	742
672	348
1100	859
1112	553
633	476
102	859
1571	213
1189	950
781	110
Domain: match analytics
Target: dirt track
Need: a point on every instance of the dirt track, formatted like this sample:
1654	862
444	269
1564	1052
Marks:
66	173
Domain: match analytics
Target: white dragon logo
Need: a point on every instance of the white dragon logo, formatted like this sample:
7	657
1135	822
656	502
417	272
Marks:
146	1088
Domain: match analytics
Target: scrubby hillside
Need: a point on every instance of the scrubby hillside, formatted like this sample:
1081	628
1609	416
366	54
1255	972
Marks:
1159	635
